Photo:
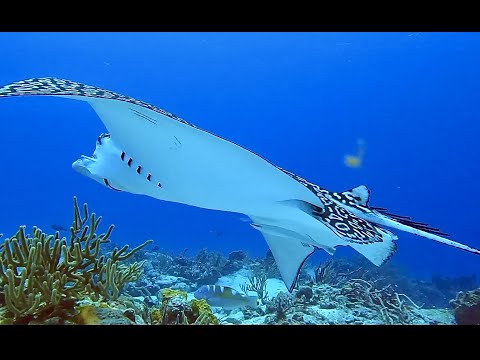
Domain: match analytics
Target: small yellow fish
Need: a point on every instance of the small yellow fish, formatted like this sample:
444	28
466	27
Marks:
355	161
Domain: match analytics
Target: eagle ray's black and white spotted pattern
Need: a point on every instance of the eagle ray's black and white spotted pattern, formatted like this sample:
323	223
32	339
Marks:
56	86
348	199
339	219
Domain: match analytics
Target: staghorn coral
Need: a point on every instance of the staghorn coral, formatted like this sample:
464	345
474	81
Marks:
435	293
394	308
42	273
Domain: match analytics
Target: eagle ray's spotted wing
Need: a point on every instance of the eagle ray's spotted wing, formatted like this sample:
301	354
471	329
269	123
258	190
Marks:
341	221
356	202
59	87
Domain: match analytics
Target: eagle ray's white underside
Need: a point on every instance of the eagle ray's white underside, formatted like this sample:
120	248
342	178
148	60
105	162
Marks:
196	167
150	153
200	169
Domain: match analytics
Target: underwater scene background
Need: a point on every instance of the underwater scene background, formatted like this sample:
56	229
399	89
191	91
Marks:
397	112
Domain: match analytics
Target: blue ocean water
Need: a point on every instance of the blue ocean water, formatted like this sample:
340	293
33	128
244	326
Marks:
301	100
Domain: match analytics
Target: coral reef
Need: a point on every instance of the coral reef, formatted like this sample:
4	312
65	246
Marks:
340	291
183	272
123	311
87	315
267	266
304	294
204	268
42	276
354	302
236	260
434	293
448	287
279	306
174	309
466	307
334	272
202	313
394	308
258	284
87	279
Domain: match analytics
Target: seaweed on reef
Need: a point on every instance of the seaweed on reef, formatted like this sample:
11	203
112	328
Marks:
394	308
40	273
257	283
328	272
280	305
337	271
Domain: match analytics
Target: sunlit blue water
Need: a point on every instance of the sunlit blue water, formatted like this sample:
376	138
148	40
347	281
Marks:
300	100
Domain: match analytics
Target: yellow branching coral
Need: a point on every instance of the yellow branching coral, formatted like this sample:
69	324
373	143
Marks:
87	315
156	316
202	313
40	271
174	309
169	293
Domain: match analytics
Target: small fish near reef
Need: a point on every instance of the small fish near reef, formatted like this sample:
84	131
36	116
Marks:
217	233
225	297
58	227
152	152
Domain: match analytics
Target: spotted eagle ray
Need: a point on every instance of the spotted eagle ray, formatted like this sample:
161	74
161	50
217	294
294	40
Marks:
152	152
